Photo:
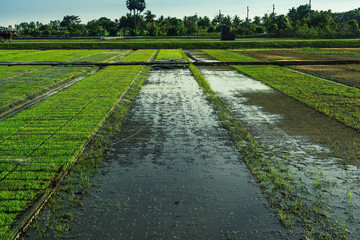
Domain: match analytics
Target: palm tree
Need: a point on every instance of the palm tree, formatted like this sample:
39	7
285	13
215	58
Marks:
136	6
149	17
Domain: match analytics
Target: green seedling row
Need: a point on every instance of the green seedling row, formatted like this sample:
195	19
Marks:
49	55
105	56
20	83
139	56
27	85
38	143
170	54
60	55
8	72
226	56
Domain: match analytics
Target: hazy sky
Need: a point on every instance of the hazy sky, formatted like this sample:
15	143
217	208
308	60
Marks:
16	11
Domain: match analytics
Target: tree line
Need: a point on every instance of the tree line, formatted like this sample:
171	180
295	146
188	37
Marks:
299	22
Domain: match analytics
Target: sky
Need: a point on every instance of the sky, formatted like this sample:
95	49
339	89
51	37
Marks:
16	11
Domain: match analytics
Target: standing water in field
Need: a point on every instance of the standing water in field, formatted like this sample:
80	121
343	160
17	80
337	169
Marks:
173	172
299	135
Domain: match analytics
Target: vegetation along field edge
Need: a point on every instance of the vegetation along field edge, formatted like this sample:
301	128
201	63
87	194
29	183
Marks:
186	45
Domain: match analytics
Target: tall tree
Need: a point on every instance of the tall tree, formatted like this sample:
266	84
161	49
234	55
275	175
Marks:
137	7
68	21
149	17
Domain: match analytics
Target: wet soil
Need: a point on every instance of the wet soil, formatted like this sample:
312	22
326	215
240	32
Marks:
345	74
301	54
174	172
301	136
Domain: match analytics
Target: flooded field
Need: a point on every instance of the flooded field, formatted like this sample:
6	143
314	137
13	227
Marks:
302	136
174	172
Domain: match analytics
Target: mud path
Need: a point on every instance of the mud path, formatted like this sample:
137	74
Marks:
179	175
301	136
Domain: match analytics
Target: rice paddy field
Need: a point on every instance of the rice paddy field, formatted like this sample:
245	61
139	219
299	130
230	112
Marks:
177	149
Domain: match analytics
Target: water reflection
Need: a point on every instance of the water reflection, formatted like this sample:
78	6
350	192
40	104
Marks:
179	177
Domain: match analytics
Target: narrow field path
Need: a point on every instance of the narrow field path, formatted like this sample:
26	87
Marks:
174	172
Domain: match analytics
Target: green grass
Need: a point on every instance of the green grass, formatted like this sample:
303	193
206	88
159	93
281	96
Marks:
60	55
139	56
49	55
333	53
9	72
21	83
32	84
170	54
227	56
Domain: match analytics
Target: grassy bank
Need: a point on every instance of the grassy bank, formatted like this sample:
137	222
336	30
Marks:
156	44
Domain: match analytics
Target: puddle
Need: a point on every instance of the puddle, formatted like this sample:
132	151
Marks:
293	131
174	172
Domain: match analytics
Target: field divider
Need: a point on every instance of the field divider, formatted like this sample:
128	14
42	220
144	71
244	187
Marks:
198	63
190	44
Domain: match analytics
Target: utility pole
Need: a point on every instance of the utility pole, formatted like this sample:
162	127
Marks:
309	10
273	9
220	17
197	25
247	20
247	16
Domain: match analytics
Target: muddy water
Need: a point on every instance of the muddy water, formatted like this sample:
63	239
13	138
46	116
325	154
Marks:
299	134
174	172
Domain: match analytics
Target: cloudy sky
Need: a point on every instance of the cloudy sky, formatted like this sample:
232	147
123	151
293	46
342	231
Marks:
16	11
